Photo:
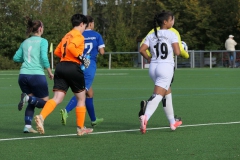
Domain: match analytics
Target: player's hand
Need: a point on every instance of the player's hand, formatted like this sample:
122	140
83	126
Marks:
84	61
51	76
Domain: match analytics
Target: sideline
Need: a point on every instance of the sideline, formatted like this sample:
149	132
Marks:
119	131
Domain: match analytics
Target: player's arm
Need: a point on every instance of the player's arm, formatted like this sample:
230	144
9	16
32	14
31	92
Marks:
44	53
18	57
101	45
143	51
148	52
57	51
101	50
176	48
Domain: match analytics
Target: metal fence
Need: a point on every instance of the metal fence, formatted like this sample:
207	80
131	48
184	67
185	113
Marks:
197	59
207	59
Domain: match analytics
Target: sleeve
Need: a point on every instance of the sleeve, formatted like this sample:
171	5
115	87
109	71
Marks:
57	51
44	53
100	42
18	57
183	53
147	41
174	38
148	52
76	46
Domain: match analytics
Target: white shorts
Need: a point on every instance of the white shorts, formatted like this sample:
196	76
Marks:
161	74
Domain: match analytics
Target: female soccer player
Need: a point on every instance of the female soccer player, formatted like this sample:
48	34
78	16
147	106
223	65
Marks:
93	45
162	44
68	74
32	53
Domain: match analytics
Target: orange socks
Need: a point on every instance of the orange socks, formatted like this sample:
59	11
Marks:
48	108
80	115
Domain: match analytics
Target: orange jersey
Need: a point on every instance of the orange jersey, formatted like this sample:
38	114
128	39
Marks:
70	47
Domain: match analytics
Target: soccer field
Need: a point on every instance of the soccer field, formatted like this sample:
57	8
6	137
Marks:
206	99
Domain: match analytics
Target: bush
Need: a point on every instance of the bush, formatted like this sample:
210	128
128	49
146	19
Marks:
8	64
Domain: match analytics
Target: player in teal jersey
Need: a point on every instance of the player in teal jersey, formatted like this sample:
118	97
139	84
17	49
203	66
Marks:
32	53
93	45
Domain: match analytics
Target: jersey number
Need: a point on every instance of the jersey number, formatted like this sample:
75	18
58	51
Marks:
64	46
89	46
29	54
164	50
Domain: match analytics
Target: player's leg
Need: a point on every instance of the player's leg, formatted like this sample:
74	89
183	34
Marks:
77	85
169	112
151	107
163	75
71	104
60	88
152	75
89	75
90	108
25	83
80	114
64	112
47	109
143	105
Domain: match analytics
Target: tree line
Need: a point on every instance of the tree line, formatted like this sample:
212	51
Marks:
202	24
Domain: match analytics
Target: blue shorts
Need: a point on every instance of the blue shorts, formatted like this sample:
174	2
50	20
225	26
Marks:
89	74
34	84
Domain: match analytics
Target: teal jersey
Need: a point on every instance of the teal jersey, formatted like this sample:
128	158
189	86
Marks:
33	54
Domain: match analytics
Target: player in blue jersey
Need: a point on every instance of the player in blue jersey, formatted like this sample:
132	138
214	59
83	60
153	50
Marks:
94	44
32	53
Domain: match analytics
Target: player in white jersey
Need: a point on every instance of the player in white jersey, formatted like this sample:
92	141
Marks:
162	44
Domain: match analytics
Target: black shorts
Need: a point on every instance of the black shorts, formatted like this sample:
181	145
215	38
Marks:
68	74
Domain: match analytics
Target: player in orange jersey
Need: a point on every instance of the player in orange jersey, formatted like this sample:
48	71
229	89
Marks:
68	74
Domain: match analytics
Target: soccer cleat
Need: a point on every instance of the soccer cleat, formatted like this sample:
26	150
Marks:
83	131
39	123
143	123
29	130
22	101
143	105
96	122
178	122
64	115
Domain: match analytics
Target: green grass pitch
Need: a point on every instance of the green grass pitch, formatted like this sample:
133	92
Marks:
208	100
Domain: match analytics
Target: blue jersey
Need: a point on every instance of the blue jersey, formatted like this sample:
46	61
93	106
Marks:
93	42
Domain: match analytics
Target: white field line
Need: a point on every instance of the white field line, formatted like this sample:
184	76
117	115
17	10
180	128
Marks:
118	131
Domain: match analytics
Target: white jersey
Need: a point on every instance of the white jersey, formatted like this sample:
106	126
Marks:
161	46
161	68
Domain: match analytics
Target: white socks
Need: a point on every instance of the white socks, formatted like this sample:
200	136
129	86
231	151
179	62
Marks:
152	105
28	126
168	109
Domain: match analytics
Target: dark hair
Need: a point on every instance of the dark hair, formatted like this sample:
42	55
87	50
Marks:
32	26
90	19
77	19
160	18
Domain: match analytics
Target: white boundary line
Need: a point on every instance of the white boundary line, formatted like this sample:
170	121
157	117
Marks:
107	132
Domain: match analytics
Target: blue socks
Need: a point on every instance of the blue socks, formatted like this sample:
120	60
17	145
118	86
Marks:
89	105
36	102
29	112
90	109
71	104
32	103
